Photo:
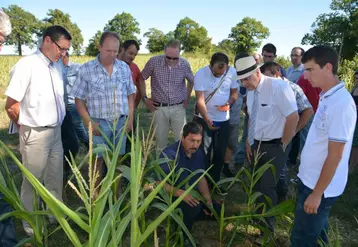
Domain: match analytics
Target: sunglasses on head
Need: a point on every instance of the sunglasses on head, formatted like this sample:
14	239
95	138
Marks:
171	58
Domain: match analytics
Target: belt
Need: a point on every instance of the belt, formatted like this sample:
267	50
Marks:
273	141
166	104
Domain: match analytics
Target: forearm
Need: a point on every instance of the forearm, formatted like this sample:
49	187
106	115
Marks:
171	189
289	130
202	109
189	89
142	88
234	95
131	105
304	118
82	110
12	109
204	189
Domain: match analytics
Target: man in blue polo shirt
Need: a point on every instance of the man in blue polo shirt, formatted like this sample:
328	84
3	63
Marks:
189	158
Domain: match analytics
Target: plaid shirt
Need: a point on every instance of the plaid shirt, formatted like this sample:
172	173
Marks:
70	74
106	96
301	99
168	83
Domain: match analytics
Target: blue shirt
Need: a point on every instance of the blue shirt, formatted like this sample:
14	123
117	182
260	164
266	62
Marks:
293	74
188	165
70	74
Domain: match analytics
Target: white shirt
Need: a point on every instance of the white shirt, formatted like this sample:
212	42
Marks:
206	82
334	121
31	85
276	101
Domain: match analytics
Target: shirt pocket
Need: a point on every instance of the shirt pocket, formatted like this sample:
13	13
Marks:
266	111
96	87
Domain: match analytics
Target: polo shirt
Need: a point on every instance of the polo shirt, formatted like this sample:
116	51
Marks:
206	82
312	93
183	162
334	121
276	101
39	89
294	73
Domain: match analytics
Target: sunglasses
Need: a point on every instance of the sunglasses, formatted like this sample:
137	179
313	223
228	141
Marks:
171	58
59	47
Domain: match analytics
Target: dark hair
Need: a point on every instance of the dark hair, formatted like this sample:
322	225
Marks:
241	55
273	67
269	48
174	43
299	48
219	58
56	33
67	54
192	128
108	34
321	55
128	43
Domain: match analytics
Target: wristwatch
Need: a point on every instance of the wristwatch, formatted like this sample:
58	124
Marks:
283	146
144	98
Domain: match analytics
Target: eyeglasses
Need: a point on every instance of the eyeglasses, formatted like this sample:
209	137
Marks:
62	50
171	58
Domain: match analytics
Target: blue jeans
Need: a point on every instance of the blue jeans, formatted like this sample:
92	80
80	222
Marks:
240	155
309	228
7	228
114	136
304	132
80	129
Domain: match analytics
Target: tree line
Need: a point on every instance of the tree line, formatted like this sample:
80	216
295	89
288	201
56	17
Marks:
337	28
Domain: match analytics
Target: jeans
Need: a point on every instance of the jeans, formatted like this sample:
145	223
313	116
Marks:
80	129
295	149
309	228
7	228
240	155
304	132
214	142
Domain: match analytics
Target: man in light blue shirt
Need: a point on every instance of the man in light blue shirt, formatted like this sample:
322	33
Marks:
296	70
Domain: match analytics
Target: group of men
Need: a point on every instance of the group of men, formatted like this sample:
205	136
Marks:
45	96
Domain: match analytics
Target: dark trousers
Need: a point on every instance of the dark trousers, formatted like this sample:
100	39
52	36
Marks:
295	149
214	147
7	228
267	184
192	214
309	228
80	130
69	142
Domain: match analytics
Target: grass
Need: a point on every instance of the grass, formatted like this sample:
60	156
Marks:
207	233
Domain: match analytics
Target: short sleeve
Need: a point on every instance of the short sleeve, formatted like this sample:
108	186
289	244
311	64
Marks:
285	99
80	86
199	81
20	76
130	85
234	81
148	69
342	123
189	73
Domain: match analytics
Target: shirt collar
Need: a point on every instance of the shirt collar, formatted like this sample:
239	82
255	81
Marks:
333	90
116	63
301	67
182	152
45	59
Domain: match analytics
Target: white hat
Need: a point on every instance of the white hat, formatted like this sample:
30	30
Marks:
245	67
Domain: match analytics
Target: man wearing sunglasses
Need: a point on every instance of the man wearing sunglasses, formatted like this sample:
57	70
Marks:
170	94
35	103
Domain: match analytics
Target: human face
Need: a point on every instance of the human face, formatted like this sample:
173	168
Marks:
257	58
56	49
130	54
218	69
251	82
172	55
191	143
108	51
268	56
296	57
316	75
65	60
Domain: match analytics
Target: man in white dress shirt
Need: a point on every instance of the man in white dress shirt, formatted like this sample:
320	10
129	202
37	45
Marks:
35	103
324	160
273	119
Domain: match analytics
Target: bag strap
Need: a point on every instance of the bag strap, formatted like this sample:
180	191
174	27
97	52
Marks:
217	88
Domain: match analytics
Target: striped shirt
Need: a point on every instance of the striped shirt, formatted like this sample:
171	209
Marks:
168	83
106	95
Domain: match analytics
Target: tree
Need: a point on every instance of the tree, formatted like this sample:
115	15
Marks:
57	17
248	35
337	29
25	26
226	46
157	39
192	36
125	25
92	48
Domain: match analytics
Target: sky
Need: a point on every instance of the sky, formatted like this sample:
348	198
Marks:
287	21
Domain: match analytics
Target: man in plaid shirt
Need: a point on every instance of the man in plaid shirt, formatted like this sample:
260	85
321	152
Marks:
104	94
170	95
305	111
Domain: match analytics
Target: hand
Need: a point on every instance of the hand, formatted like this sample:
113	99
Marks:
186	103
248	150
191	201
129	126
312	203
150	105
210	124
210	205
95	131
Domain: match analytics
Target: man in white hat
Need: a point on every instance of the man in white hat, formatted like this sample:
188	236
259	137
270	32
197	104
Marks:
273	119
